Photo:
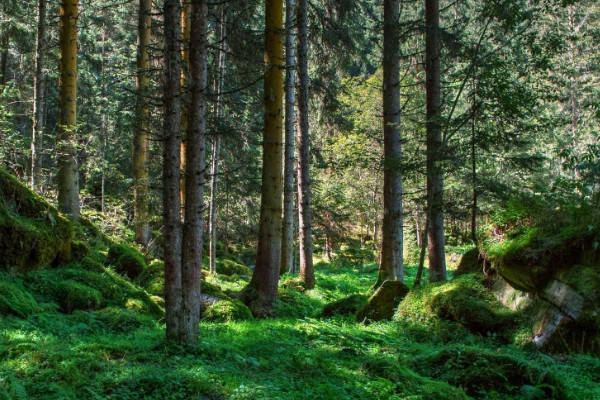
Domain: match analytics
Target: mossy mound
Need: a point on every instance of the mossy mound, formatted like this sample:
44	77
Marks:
119	320
126	260
33	234
152	278
384	302
77	296
463	300
212	289
485	374
15	300
226	310
401	381
79	250
470	262
230	267
347	306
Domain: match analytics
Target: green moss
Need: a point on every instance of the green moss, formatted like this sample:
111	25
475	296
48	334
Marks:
32	232
384	302
126	260
77	296
229	267
226	310
346	306
15	300
79	250
212	289
152	278
469	262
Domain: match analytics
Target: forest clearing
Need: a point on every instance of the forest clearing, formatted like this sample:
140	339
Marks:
293	199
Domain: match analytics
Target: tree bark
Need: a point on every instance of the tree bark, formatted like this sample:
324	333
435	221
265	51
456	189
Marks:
391	267
268	259
287	240
216	148
435	182
194	177
186	96
37	139
141	142
307	272
68	182
171	171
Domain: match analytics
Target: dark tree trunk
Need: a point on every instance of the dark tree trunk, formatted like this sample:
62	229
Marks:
307	272
435	145
287	240
171	171
37	139
392	233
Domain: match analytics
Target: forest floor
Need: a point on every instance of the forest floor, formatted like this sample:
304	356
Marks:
117	354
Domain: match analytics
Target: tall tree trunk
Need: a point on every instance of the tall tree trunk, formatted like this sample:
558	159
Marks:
37	139
435	145
268	258
141	142
194	177
307	272
287	239
216	148
171	171
392	233
68	182
474	165
186	6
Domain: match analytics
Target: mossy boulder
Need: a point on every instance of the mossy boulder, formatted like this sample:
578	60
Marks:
230	267
33	234
77	296
469	262
384	301
15	300
126	260
226	310
152	278
79	250
347	306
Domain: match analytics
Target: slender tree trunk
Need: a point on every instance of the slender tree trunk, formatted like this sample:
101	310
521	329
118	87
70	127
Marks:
392	233
268	259
171	171
141	142
186	96
104	117
194	178
307	272
68	182
435	183
474	167
417	281
37	139
216	148
287	240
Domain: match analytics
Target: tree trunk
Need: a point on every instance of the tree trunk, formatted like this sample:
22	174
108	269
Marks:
268	259
185	104
194	177
307	272
37	139
435	183
287	240
391	267
474	167
171	171
68	182
216	148
141	142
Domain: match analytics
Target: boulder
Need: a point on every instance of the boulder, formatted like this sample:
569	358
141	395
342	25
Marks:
384	302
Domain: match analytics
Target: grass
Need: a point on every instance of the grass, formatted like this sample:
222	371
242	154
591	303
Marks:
120	353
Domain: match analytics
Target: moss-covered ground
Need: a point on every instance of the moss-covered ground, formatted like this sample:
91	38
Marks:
110	345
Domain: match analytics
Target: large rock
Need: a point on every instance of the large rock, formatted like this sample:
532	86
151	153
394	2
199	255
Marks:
384	302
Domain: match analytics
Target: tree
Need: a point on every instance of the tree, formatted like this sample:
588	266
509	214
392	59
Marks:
68	182
287	239
435	145
305	227
194	175
171	171
216	147
141	143
390	266
37	138
262	289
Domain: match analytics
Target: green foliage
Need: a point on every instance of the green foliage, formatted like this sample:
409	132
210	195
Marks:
32	233
126	260
347	306
15	300
226	310
73	296
230	267
79	250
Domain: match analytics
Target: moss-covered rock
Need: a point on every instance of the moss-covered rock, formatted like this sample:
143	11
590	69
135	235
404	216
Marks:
347	306
15	300
152	278
126	260
226	310
79	250
229	267
384	301
33	234
211	289
469	262
77	296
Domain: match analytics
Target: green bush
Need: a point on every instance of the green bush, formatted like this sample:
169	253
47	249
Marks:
126	260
